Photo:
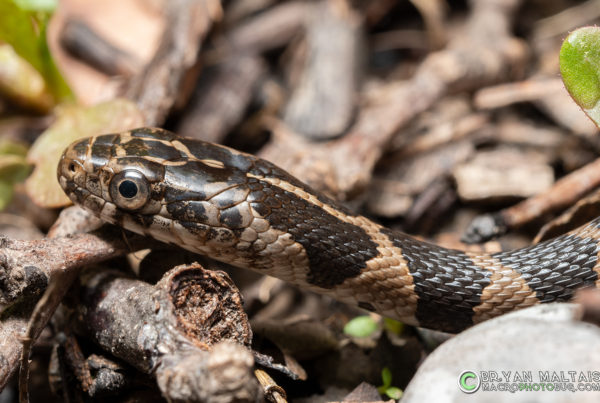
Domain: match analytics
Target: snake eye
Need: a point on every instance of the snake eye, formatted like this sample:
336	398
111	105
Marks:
130	190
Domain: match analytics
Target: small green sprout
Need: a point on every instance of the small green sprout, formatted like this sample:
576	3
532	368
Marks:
361	326
387	389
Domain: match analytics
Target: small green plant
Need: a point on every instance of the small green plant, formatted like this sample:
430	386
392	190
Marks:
365	326
13	169
580	69
23	26
392	325
361	326
387	389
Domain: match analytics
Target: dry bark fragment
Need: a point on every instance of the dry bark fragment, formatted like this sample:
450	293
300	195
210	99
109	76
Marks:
172	329
582	212
393	190
503	173
163	82
270	29
82	42
221	98
563	193
323	102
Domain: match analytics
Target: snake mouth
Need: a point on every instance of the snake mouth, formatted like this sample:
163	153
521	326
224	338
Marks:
72	178
79	184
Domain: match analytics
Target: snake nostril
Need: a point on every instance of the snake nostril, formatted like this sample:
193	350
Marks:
72	167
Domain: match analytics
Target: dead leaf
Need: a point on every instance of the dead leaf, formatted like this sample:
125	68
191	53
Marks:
73	123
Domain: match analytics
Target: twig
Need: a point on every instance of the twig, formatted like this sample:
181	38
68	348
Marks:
83	42
221	99
268	30
563	193
174	329
29	267
272	391
161	83
322	104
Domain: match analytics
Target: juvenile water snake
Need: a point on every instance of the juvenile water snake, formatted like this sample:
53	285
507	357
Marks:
247	212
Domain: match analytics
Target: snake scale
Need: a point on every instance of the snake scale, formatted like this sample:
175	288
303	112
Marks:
239	209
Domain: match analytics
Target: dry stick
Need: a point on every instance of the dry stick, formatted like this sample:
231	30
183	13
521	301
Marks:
503	95
28	267
563	193
567	19
322	104
272	391
575	216
10	346
433	13
486	53
269	30
167	330
82	42
221	99
161	84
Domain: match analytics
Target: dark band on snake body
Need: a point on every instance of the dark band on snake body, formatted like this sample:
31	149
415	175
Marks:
336	250
448	283
242	210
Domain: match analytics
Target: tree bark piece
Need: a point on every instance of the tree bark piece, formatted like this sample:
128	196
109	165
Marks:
28	267
270	29
563	193
163	82
221	99
323	103
175	329
82	42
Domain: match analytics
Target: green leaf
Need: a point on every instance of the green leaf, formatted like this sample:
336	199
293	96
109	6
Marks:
23	84
386	377
393	325
6	194
394	393
25	31
10	147
361	326
580	69
72	123
37	5
13	168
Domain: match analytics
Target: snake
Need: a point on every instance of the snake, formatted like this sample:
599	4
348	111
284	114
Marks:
239	209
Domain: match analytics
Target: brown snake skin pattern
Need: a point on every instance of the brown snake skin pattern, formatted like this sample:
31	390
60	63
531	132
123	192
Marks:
239	209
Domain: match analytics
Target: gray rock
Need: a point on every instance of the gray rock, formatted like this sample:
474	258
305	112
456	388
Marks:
546	338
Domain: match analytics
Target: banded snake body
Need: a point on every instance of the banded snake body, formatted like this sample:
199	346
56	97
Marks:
239	209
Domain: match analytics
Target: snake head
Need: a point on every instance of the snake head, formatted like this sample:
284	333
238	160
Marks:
112	175
149	178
